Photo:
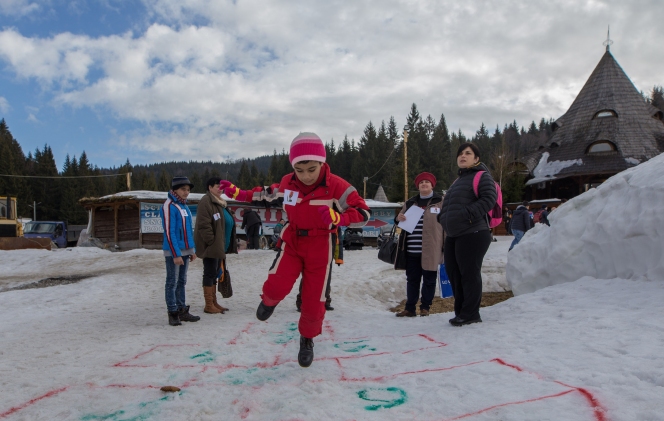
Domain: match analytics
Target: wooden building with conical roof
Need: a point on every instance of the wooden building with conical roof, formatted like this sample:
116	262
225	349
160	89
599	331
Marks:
608	128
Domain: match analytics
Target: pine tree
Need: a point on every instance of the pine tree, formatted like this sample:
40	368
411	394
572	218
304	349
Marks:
86	185
121	182
199	185
273	175
440	155
164	181
244	179
657	97
46	190
149	182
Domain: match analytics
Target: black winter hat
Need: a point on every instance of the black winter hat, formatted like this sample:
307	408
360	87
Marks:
180	181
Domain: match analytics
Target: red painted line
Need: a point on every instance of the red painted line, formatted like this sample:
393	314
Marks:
245	330
391	376
15	409
429	338
137	356
509	403
598	409
327	326
422	349
502	362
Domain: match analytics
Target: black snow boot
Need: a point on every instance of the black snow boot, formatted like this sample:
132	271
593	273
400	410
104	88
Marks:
328	307
306	355
186	317
264	312
173	318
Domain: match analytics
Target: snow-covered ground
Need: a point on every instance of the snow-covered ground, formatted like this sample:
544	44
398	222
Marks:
587	348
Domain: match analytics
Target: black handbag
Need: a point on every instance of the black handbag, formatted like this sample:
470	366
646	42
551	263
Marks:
224	284
388	250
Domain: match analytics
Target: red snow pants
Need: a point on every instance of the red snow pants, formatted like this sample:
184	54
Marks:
311	256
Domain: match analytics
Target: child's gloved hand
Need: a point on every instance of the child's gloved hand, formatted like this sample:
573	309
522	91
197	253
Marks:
232	191
330	216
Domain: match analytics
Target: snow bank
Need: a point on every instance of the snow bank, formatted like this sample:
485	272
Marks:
613	231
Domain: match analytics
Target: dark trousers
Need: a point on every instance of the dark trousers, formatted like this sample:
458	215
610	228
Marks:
328	300
463	262
414	275
252	236
210	271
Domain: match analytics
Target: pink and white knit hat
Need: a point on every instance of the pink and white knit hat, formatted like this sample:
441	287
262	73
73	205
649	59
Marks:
307	147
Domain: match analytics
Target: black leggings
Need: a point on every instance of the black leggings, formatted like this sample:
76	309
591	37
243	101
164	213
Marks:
210	270
463	262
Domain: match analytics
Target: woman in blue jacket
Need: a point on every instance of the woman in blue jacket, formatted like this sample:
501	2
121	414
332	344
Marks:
178	249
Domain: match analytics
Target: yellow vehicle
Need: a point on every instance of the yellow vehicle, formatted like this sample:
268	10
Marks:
11	229
9	224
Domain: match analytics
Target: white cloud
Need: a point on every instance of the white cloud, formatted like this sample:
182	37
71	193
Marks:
4	105
255	73
18	8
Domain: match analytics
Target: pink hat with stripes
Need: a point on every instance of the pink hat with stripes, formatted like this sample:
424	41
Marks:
307	147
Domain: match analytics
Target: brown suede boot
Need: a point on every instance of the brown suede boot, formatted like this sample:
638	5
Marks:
216	304
209	293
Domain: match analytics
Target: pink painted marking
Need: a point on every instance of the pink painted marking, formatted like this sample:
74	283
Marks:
137	356
470	414
502	362
245	330
391	376
15	409
598	410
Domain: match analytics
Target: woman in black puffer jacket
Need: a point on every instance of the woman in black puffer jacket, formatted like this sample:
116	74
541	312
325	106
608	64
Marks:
465	221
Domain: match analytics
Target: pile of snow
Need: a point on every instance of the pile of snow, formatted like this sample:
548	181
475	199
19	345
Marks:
613	231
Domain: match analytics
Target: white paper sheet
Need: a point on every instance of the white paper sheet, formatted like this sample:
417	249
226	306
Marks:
413	215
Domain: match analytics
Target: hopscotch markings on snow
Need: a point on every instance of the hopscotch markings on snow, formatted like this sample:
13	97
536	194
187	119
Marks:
33	401
365	363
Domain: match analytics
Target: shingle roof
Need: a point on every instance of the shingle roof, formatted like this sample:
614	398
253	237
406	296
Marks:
380	195
636	129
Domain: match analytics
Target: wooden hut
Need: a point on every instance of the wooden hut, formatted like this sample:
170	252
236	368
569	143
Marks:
608	128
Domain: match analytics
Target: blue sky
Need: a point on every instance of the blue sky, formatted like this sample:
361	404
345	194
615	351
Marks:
162	80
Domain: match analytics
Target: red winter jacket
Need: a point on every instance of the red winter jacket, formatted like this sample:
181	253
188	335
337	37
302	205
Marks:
301	203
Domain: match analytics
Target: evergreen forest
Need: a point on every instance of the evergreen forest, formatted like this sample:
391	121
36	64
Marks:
378	155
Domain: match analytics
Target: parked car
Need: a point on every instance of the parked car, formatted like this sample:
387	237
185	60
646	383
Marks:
353	239
55	230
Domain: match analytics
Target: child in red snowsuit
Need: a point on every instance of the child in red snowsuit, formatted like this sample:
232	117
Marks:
316	202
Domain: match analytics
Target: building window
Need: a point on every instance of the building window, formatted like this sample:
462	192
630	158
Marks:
605	113
601	146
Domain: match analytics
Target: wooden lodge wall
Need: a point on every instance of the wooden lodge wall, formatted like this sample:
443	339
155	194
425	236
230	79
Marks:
119	224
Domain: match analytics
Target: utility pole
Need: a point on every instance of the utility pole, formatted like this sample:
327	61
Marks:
405	165
34	209
128	181
365	187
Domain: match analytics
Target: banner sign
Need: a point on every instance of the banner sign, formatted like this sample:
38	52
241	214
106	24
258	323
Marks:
381	218
151	219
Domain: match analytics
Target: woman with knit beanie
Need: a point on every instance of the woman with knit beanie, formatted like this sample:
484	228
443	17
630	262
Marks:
423	248
316	202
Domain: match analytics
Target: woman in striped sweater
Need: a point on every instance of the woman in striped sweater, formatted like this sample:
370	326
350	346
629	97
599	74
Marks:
423	247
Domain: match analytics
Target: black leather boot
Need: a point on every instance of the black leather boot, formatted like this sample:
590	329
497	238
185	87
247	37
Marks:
173	318
264	312
306	355
186	317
